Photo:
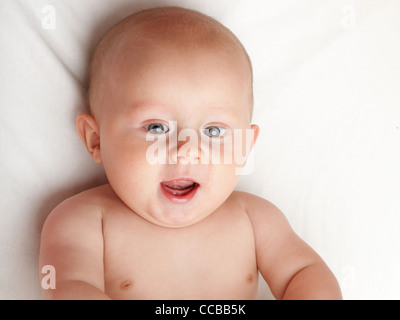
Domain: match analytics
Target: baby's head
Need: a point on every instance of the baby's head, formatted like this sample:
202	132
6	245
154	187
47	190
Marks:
171	103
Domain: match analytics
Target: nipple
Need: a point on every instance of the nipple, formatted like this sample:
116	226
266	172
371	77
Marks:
250	278
127	284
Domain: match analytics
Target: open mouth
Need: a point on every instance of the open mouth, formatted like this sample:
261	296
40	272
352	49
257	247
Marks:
179	191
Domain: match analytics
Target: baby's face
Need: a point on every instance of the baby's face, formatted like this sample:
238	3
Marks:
185	102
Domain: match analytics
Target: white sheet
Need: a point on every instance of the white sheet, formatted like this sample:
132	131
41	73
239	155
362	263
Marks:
327	99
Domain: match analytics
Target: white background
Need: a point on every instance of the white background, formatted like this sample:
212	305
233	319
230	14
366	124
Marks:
327	99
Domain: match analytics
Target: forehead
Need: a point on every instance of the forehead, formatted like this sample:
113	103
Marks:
188	77
149	46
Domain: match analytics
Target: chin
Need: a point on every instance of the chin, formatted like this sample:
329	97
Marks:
176	218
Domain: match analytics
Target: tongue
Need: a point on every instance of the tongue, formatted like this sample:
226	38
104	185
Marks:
178	184
179	187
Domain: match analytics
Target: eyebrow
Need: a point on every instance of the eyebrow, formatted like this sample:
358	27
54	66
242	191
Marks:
143	108
220	114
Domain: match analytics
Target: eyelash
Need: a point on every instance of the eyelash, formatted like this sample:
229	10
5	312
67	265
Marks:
208	131
151	126
161	128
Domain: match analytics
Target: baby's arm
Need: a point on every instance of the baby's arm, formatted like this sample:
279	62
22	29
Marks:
291	268
72	242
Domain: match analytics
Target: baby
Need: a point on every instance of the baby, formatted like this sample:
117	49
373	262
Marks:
171	102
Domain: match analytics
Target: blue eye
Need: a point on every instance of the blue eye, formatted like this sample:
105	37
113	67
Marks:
157	128
214	131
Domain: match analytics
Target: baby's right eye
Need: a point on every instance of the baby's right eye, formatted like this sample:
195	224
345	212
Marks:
157	128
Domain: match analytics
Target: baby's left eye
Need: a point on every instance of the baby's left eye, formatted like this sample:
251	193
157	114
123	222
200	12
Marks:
214	131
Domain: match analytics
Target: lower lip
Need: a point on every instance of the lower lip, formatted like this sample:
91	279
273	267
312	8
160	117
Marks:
179	199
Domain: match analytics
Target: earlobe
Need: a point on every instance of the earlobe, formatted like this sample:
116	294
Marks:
89	132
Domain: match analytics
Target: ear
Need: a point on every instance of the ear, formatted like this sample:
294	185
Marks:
89	132
256	130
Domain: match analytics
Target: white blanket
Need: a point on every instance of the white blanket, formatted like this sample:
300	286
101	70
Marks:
327	99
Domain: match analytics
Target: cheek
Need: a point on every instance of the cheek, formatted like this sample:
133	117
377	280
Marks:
238	147
124	159
231	152
223	177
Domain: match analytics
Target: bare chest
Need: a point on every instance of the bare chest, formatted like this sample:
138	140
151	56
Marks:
212	260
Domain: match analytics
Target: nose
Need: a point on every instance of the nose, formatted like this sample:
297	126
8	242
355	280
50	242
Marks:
186	149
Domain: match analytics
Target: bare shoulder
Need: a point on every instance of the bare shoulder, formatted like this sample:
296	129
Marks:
270	225
268	222
86	203
280	252
260	211
74	219
72	238
77	207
